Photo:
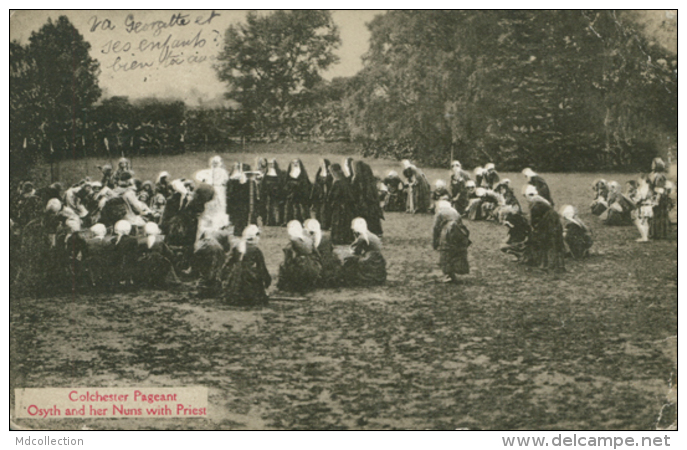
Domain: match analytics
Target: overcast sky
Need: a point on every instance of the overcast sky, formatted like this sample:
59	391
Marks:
135	61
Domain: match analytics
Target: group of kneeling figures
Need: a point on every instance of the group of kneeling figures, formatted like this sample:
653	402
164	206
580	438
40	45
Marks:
229	263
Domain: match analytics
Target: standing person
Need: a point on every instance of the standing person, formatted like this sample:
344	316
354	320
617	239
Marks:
539	183
367	200
396	198
575	233
366	266
459	192
490	177
347	167
659	225
215	215
418	189
260	171
301	269
297	188
245	276
341	207
546	240
644	212
452	239
320	191
272	193
238	198
331	275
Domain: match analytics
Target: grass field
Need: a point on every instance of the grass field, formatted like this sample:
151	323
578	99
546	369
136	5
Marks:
511	348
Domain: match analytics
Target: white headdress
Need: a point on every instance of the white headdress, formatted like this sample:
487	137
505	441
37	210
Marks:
99	230
529	173
54	206
439	184
359	225
313	227
294	229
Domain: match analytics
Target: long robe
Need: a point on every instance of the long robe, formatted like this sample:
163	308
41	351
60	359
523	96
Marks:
297	192
542	188
419	191
318	199
342	210
659	224
546	240
366	266
245	277
396	199
272	196
452	238
154	262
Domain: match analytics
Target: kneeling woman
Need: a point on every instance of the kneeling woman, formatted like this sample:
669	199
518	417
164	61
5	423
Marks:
451	238
301	269
245	276
546	240
331	265
366	266
155	261
575	233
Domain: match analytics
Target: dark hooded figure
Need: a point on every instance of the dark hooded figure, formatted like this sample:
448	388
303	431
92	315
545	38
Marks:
209	256
341	206
659	224
108	176
539	183
452	238
29	205
261	170
347	168
367	200
419	190
489	176
297	188
272	194
155	261
396	199
242	192
546	240
320	191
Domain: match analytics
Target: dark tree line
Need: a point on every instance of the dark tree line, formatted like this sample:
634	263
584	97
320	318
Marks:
563	90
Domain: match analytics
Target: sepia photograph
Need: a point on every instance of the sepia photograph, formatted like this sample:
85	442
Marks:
343	220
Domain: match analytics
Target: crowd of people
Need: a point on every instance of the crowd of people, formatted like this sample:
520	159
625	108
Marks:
120	232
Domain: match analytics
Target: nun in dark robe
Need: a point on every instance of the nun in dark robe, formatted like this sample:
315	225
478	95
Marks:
419	190
575	233
347	168
261	170
539	183
297	188
245	277
365	266
367	200
176	202
331	275
452	238
301	269
546	240
458	188
272	194
341	207
320	191
659	224
156	260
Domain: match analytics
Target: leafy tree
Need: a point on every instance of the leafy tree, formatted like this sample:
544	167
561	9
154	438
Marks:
53	85
273	60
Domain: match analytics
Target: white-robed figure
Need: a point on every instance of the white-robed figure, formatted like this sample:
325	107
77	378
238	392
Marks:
215	215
